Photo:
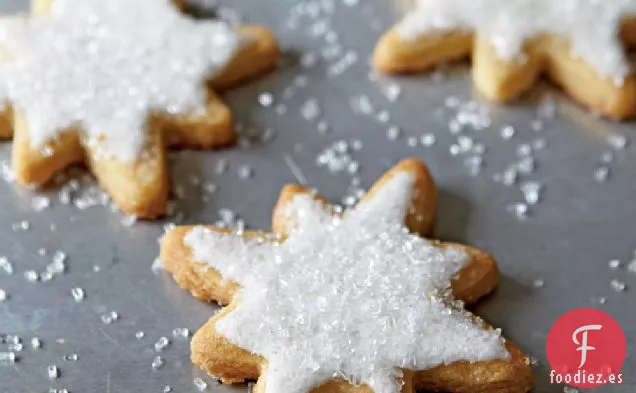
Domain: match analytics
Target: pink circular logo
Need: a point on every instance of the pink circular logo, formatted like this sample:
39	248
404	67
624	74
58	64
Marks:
586	348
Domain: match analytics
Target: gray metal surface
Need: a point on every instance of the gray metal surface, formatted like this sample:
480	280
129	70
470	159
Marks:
566	241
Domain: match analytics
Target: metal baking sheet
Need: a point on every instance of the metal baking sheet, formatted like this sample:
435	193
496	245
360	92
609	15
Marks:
552	261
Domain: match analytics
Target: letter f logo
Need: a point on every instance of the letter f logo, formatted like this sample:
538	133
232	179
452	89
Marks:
583	343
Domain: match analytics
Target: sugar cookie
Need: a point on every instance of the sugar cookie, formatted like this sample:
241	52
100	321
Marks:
110	83
346	302
578	44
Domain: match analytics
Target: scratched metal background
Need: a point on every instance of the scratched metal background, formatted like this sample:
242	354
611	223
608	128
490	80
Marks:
579	225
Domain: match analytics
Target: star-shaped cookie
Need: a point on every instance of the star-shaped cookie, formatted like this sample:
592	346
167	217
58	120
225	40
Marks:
112	83
577	44
352	301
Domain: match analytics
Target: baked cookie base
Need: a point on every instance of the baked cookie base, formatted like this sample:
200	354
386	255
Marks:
217	356
504	81
141	188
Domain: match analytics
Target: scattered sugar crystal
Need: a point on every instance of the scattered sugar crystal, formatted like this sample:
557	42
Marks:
618	286
451	102
167	389
349	200
157	362
11	339
310	109
3	295
383	116
71	357
46	276
15	347
465	143
353	167
509	176
6	265
221	166
7	358
600	300
507	132
156	265
210	187
474	164
412	141
601	173
393	92
6	172
531	191
454	126
21	226
356	145
427	140
40	203
538	283
140	334
537	125
539	144
200	384
42	252
520	210
109	317
471	114
59	257
64	196
524	149
362	104
479	148
614	264
52	372
454	149
526	165
393	133
607	157
266	99
631	267
617	141
129	220
78	294
245	172
322	127
180	333
36	343
57	266
336	157
161	344
31	276
350	58
228	216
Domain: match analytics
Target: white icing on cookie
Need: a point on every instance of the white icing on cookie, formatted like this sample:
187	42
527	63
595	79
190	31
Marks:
348	297
591	26
106	65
